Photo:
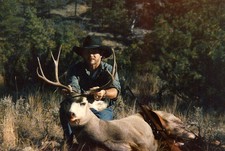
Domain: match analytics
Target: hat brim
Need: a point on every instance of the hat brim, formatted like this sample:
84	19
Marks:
105	51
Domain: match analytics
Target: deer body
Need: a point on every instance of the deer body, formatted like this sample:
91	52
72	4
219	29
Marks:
129	133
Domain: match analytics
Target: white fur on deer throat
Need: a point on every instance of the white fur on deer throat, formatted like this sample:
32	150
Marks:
99	105
80	116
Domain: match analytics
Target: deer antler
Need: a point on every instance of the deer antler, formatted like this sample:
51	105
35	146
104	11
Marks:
43	77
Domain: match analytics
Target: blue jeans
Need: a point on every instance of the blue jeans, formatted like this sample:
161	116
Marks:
106	114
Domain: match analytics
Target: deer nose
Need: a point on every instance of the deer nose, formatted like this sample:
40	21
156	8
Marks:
73	119
72	115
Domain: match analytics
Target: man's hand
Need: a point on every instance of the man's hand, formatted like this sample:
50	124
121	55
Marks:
99	94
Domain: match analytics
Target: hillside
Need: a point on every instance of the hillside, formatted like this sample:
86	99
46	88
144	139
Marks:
69	12
84	21
29	119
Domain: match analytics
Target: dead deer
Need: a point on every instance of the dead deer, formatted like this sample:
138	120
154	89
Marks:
131	133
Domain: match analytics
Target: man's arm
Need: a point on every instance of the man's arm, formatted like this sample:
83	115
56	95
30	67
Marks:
72	79
112	92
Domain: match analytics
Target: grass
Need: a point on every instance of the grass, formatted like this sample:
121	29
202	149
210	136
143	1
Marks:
9	135
33	122
30	122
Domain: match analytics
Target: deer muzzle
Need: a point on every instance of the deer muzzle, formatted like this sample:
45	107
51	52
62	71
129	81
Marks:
73	119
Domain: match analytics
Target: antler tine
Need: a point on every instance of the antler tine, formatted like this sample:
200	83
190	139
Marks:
113	74
43	77
114	64
56	62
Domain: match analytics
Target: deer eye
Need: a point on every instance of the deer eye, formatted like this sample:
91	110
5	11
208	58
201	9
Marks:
83	103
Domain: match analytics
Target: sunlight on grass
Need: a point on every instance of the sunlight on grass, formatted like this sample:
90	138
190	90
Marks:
30	121
9	125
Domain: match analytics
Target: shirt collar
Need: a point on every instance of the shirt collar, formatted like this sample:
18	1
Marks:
94	73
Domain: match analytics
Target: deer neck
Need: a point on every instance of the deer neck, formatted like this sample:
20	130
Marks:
95	127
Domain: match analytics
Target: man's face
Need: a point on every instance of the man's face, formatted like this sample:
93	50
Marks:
92	56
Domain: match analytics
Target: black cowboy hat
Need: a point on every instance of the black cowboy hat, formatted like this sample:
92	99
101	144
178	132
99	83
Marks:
93	42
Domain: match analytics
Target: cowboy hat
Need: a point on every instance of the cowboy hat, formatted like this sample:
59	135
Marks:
93	42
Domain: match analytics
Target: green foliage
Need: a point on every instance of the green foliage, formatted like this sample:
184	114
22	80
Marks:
37	32
111	15
186	50
32	40
10	25
34	37
9	20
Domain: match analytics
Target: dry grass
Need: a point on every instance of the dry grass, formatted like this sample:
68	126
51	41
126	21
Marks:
9	134
32	123
209	126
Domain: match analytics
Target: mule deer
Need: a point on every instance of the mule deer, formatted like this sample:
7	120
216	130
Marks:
126	134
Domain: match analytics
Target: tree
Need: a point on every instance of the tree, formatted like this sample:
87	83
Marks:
10	20
32	37
186	51
10	25
111	15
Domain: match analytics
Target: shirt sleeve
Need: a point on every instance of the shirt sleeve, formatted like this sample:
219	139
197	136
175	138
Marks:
73	80
116	82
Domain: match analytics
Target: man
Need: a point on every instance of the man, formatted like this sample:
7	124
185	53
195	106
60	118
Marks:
92	72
